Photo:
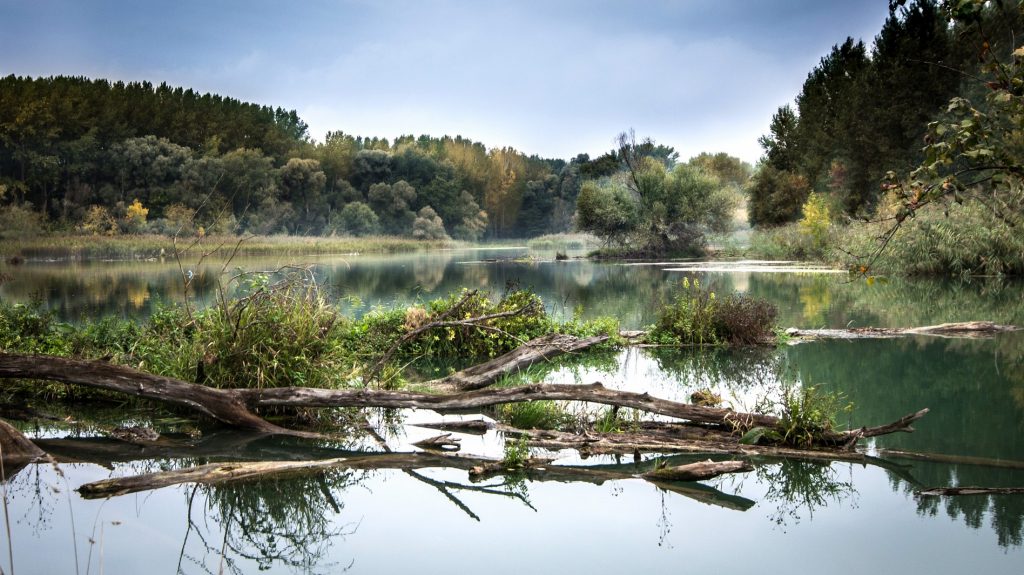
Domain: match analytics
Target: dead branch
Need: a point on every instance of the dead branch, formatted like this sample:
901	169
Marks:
220	404
232	406
532	352
443	442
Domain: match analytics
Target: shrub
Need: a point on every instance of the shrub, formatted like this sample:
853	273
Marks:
695	316
689	318
279	335
744	320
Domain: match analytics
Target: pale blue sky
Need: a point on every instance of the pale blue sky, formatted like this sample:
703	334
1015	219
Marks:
551	77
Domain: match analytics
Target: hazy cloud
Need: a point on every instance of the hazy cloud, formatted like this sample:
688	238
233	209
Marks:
554	78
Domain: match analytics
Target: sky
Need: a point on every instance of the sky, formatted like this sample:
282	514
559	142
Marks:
551	77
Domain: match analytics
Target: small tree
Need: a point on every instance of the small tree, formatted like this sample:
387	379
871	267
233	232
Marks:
134	220
428	225
357	219
99	221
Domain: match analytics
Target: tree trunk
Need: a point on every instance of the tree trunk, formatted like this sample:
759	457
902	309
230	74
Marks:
220	404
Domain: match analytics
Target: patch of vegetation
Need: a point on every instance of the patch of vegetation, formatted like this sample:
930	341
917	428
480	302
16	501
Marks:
517	453
534	415
696	316
563	242
807	414
128	247
289	334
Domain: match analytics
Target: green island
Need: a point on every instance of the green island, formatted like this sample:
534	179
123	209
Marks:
207	314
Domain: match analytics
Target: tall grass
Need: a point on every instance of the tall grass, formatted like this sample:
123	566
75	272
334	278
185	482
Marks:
84	247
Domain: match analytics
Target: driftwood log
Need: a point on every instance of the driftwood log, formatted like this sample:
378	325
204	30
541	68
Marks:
968	329
697	471
532	352
955	491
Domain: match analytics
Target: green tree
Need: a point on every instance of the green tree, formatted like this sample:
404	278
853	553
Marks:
357	219
428	225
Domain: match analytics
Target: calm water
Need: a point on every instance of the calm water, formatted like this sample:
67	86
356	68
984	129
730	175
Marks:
807	517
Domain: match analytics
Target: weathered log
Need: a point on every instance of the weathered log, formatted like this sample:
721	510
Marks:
232	406
222	405
594	393
474	427
210	474
969	329
629	443
951	491
442	442
532	352
954	459
697	471
15	448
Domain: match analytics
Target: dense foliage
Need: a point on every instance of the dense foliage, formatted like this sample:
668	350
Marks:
863	113
654	206
79	153
695	315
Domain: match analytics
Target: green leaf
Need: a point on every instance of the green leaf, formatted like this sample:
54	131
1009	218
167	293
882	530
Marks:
751	437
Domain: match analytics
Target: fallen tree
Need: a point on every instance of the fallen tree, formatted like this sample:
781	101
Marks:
969	329
234	406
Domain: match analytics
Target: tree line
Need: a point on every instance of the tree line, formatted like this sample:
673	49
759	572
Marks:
863	113
109	157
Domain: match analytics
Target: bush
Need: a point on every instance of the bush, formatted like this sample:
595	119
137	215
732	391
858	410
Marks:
695	316
744	320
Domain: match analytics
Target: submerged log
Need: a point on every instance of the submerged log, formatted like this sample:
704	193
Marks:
969	329
951	491
474	427
15	448
210	474
443	442
697	471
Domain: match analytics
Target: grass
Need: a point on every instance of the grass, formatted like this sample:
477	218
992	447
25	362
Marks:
806	414
577	241
83	247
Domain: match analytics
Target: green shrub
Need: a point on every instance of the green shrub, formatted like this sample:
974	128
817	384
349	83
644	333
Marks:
689	318
282	335
695	316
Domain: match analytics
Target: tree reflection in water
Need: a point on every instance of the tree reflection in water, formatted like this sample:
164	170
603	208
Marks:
287	521
797	486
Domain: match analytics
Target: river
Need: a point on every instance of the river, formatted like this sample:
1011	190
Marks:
800	517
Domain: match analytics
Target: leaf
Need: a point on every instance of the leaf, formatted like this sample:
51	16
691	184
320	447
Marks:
1019	52
751	437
